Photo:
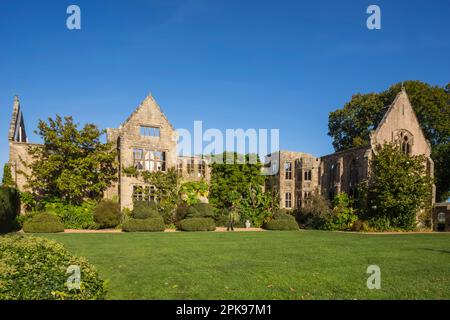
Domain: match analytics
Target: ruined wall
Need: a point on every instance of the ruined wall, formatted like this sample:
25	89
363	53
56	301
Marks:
343	171
18	152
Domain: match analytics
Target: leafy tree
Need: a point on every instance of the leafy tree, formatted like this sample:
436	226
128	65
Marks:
397	190
350	126
166	191
72	164
343	215
236	186
192	191
7	180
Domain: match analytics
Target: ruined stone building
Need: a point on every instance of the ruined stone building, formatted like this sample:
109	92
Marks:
147	141
300	174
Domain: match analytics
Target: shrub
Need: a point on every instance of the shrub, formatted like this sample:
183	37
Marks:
43	222
107	214
200	210
197	224
360	225
145	210
343	215
181	212
282	224
148	225
315	214
282	214
9	209
74	216
33	268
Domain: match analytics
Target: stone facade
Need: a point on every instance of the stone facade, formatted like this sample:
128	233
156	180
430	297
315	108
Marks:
148	141
343	171
296	177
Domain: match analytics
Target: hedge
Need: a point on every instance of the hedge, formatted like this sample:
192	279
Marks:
283	214
197	224
33	268
145	210
281	224
200	210
107	214
44	222
9	209
144	225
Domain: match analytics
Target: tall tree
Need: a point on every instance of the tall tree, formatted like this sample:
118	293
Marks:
350	126
72	164
397	190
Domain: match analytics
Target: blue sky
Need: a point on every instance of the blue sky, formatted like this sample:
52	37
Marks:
231	64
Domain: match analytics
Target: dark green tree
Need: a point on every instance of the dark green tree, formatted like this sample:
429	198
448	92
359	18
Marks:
350	126
397	190
7	180
72	164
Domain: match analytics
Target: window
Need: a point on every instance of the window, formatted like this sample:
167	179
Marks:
288	200
307	198
201	168
149	160
149	131
180	167
308	175
190	166
144	193
406	147
288	170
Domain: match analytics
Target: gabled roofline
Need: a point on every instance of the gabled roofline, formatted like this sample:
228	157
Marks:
148	98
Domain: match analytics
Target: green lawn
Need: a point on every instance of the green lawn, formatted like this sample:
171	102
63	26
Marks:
266	265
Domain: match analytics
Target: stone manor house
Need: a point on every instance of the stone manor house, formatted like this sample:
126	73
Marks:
147	141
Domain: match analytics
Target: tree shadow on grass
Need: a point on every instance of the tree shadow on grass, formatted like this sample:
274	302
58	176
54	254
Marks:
437	250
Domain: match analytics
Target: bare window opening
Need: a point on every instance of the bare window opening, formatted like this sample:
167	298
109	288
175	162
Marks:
180	167
308	175
288	170
147	131
201	169
144	193
406	145
288	200
149	160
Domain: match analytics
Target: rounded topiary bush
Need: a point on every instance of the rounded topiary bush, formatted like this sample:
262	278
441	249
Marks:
145	210
200	210
281	224
283	215
107	214
197	224
44	222
33	268
144	225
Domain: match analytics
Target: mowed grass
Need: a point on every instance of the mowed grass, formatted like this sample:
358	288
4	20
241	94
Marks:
266	265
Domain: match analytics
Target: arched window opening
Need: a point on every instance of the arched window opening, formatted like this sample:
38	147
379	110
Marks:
406	146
